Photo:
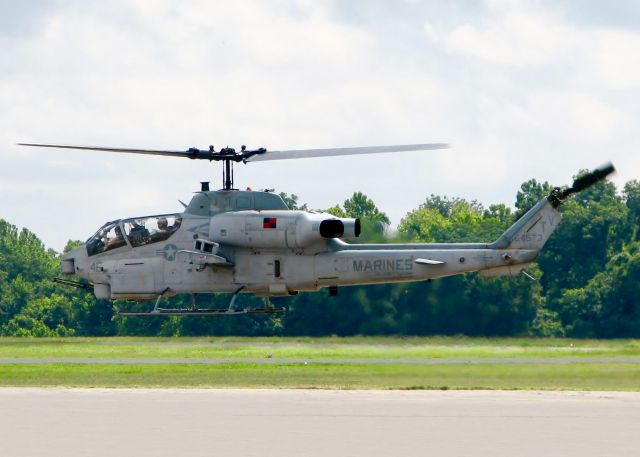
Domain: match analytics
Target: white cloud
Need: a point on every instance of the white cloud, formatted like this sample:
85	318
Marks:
522	36
574	115
549	90
513	88
615	57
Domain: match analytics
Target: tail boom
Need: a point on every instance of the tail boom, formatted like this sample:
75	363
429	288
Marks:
516	248
376	266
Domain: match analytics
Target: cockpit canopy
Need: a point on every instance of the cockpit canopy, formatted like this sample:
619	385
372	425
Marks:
136	232
148	230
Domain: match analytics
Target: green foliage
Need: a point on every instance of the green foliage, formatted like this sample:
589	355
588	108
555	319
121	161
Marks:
43	316
529	194
595	226
359	205
291	200
374	222
455	220
71	245
546	324
336	211
631	194
31	304
607	305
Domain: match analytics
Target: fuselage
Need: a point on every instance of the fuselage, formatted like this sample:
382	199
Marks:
229	240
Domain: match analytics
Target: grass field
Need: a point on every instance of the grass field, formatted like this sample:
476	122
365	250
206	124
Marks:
314	348
341	363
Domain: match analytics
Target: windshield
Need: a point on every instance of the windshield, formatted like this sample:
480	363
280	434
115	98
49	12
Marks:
146	230
108	237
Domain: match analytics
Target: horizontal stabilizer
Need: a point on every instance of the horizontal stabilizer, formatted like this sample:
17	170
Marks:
429	262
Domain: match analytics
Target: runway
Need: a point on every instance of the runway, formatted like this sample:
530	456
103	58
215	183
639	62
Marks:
174	422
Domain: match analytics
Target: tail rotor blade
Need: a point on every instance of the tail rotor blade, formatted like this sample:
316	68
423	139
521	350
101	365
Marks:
559	195
593	177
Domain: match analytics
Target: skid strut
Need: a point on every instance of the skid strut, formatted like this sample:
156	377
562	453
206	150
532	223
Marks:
195	311
203	312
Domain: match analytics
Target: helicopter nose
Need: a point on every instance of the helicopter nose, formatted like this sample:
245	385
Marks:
72	261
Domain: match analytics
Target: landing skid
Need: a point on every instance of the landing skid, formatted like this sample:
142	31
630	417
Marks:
195	311
203	312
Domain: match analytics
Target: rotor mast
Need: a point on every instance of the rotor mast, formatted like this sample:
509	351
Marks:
228	156
227	175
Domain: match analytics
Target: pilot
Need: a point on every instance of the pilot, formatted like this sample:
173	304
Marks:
163	225
118	240
176	224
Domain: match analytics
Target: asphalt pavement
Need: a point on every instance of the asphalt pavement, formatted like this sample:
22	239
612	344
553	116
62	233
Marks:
193	422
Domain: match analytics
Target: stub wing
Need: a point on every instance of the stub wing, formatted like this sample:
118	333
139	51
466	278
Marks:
429	261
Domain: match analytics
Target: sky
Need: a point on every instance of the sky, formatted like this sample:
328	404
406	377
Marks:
521	90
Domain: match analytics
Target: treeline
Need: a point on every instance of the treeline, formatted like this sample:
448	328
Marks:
588	281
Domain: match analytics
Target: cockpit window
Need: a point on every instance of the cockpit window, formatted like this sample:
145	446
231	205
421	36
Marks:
152	229
107	238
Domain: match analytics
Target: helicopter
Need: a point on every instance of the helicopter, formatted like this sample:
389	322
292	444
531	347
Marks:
250	242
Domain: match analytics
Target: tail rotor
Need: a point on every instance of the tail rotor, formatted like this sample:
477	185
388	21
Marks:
579	184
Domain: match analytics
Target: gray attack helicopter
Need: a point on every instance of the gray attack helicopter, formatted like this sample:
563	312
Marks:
236	242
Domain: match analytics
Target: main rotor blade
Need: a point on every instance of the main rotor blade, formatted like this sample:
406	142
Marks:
194	153
187	154
307	153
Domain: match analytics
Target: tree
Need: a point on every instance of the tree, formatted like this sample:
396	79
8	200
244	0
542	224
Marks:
529	194
291	200
631	194
447	206
71	245
595	226
445	219
426	224
43	316
337	211
359	205
501	213
373	221
25	268
608	305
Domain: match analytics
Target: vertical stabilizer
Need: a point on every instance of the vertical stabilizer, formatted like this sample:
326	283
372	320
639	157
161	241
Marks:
532	230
